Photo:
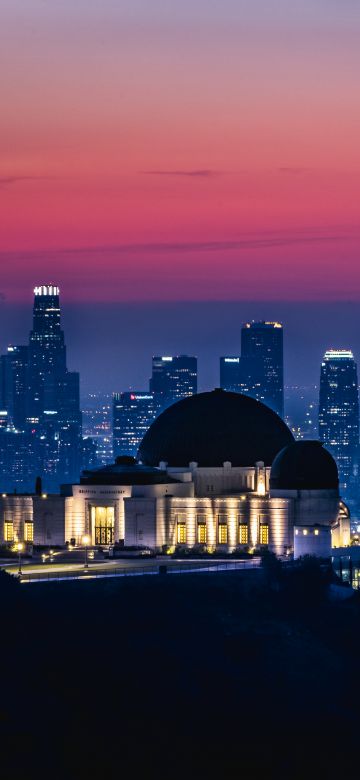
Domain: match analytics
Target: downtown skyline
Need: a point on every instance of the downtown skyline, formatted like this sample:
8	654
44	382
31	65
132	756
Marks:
121	339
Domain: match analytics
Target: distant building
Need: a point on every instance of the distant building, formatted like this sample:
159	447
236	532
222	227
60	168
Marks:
97	414
262	363
19	459
40	402
133	413
258	372
230	374
53	391
339	415
13	384
173	378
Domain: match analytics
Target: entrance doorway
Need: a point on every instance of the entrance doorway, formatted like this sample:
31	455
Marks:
103	523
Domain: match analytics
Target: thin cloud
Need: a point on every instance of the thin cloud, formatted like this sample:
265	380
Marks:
197	173
178	247
292	170
8	180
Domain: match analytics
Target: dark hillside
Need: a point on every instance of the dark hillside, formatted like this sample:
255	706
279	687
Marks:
178	676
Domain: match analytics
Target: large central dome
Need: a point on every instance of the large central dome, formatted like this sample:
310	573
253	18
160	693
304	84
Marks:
211	428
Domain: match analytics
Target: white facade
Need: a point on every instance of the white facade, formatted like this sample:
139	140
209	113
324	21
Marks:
49	519
221	509
90	502
222	522
312	540
225	479
16	519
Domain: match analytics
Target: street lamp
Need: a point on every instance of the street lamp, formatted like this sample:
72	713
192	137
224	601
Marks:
19	548
86	541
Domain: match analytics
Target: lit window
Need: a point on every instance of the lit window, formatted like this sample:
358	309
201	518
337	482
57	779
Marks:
243	533
305	532
264	534
296	532
9	532
316	532
201	533
181	533
29	532
222	533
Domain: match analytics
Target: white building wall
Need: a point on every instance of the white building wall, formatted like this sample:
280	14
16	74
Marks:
219	480
312	540
78	512
18	510
312	506
281	525
140	527
49	519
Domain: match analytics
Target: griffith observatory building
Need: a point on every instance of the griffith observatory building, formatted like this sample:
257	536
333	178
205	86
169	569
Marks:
218	471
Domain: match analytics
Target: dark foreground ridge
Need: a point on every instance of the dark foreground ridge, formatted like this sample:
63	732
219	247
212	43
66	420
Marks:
229	675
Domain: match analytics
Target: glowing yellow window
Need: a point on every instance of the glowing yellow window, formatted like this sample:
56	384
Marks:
202	533
222	533
181	533
243	533
29	532
9	532
264	534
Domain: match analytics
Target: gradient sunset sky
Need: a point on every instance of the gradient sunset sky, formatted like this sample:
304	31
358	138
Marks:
180	150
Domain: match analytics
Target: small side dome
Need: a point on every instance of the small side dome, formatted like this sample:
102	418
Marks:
304	465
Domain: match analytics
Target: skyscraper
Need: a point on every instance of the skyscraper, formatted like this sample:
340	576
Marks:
262	363
13	384
133	414
47	352
53	397
339	414
237	375
173	378
230	373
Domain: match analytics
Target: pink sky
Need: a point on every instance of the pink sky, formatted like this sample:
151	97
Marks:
211	152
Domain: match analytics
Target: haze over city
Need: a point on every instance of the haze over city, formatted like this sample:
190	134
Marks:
120	338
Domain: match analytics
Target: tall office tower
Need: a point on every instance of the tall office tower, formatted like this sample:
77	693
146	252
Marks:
230	373
47	352
339	415
53	398
133	414
173	378
237	376
262	363
13	384
19	461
